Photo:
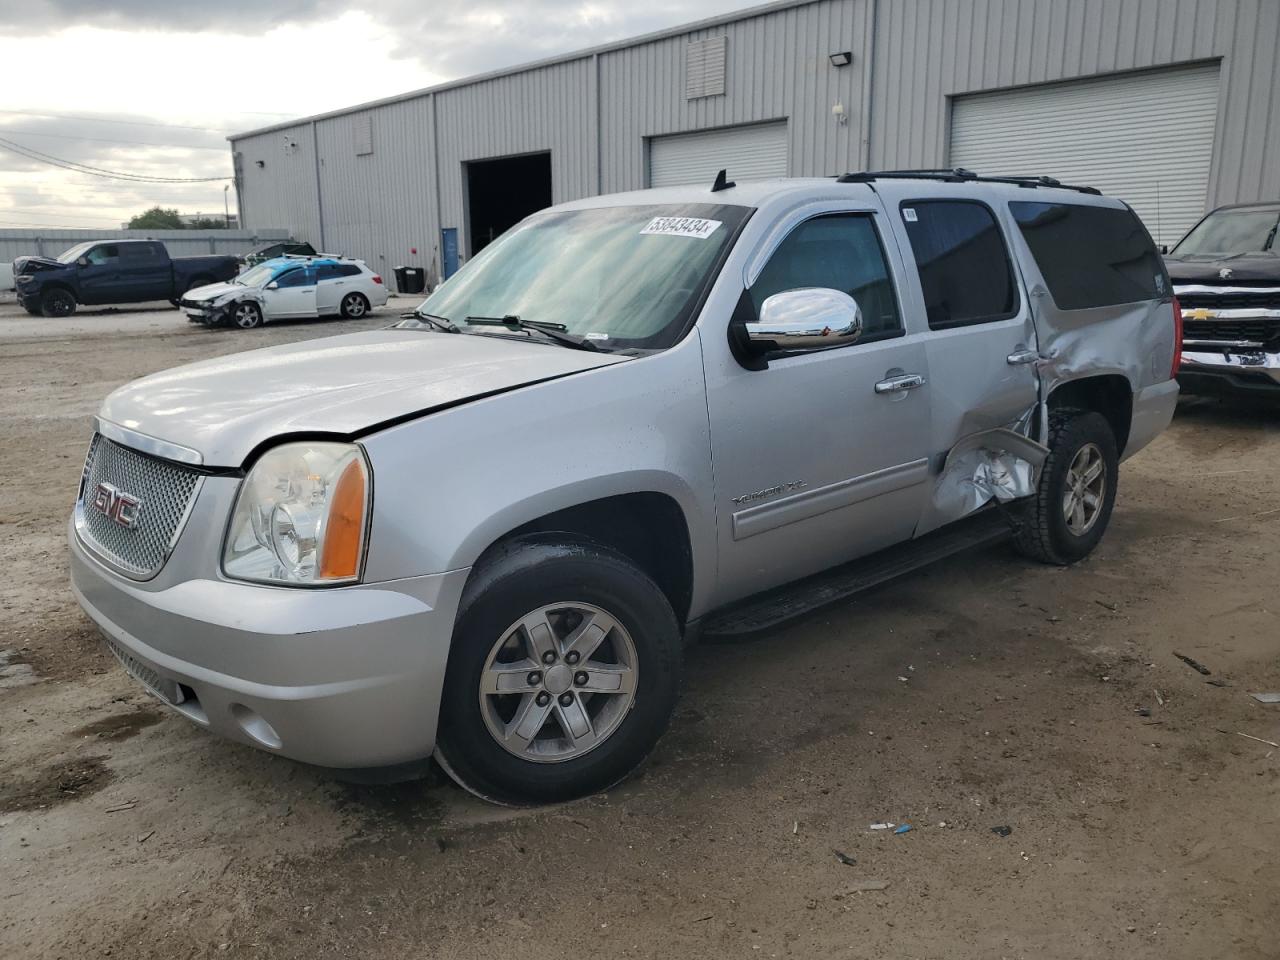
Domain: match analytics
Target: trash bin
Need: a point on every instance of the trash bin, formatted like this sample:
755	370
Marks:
410	279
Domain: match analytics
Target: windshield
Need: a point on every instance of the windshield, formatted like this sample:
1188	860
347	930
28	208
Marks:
257	276
1227	232
622	277
75	253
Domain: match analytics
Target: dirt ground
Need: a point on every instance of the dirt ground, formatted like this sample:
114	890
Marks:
984	692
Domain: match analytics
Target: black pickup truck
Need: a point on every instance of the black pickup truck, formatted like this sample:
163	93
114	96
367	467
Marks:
112	271
1226	275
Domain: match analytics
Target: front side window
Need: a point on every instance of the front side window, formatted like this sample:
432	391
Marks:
840	252
298	277
623	277
1228	232
1091	256
963	263
103	253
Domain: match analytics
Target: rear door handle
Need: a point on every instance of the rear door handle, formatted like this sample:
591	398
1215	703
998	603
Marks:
1023	356
906	381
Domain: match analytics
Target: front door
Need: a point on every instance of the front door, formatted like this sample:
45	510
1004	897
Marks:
295	294
822	456
99	277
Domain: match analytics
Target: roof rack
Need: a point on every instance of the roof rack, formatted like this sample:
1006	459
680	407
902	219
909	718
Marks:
961	175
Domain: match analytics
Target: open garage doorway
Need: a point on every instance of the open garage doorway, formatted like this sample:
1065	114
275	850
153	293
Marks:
501	193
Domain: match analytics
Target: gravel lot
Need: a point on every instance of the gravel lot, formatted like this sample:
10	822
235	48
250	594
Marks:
983	692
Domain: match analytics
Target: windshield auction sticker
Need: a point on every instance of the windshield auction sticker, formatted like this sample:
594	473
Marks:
681	227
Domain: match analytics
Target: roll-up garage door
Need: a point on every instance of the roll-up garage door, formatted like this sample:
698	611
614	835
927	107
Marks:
755	152
1146	138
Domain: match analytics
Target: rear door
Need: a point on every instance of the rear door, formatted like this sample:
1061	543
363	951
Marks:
295	294
145	272
982	341
329	288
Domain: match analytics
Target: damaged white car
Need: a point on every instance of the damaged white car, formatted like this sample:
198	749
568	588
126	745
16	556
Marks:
288	288
486	534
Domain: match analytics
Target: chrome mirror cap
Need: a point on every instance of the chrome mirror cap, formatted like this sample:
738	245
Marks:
811	318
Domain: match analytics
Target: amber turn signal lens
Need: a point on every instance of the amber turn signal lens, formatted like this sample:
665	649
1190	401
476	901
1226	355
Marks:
344	529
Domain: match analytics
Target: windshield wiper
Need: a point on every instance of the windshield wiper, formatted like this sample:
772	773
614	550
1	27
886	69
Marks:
552	331
443	324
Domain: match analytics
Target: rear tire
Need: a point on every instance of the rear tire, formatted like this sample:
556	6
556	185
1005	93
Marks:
354	306
58	303
617	693
1071	508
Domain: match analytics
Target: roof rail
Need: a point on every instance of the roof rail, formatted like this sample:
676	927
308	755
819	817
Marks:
960	175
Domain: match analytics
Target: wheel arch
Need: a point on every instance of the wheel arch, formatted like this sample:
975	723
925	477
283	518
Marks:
1109	394
648	527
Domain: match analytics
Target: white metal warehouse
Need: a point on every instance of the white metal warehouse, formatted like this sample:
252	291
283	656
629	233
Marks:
1172	105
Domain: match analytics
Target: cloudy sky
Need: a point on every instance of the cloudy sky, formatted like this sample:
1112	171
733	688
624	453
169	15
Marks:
152	87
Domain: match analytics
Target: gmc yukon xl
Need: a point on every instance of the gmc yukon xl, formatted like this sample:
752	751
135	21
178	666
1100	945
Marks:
485	534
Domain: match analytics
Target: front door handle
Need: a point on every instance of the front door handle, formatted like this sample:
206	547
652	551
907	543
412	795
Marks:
906	381
1023	356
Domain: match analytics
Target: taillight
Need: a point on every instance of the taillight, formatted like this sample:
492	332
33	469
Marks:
1177	339
378	279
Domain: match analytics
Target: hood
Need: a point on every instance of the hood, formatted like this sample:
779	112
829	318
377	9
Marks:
225	408
1249	267
215	291
23	265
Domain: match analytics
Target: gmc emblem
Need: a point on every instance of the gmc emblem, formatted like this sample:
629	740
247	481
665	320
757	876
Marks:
116	505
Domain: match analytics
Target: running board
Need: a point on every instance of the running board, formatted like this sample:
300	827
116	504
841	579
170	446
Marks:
774	607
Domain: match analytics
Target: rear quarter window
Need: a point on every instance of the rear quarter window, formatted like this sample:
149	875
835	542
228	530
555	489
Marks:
1091	256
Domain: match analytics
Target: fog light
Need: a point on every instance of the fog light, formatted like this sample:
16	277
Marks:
257	728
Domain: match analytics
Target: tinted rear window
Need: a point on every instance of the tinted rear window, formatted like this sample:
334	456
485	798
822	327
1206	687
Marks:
963	263
1091	256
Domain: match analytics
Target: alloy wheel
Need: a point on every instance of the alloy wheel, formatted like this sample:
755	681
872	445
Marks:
1086	487
558	682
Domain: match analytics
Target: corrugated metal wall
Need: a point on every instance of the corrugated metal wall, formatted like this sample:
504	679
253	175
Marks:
777	69
928	51
179	243
595	112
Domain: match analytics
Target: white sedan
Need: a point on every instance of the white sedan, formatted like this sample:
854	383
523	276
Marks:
288	288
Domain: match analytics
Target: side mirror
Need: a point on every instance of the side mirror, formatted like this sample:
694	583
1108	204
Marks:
1164	248
273	285
82	261
811	318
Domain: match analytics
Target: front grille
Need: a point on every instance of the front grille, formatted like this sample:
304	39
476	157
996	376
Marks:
163	490
1236	300
133	666
1264	330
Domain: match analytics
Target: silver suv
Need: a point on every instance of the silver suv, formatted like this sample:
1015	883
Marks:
485	533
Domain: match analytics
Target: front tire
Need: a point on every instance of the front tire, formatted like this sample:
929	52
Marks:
58	303
354	306
563	674
1072	505
246	315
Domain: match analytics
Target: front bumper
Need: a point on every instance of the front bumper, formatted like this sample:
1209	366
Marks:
347	677
1252	372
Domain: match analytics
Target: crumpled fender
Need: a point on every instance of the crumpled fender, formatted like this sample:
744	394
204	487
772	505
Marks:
999	464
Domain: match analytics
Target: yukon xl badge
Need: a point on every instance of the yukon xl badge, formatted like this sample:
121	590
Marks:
773	491
116	505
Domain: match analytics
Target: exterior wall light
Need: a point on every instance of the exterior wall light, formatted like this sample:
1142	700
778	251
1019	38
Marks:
842	59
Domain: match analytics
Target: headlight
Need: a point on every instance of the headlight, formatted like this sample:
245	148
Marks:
300	516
